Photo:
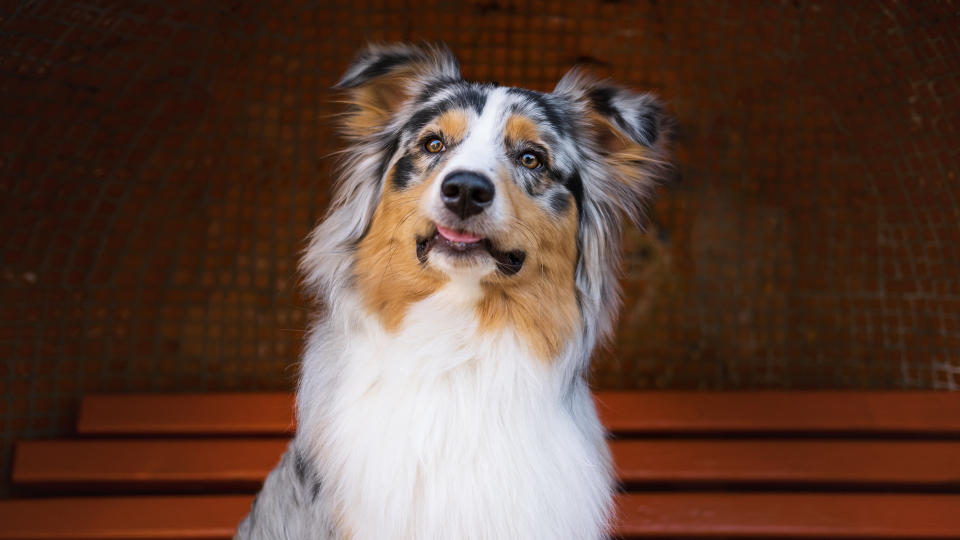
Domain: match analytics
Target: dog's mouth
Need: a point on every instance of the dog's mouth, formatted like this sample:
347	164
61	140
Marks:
463	245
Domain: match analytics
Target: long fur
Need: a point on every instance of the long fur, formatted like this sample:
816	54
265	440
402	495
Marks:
440	403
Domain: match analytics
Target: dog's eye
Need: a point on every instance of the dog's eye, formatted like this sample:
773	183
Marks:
530	161
434	145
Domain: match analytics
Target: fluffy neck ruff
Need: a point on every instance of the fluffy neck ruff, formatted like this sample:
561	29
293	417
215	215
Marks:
440	429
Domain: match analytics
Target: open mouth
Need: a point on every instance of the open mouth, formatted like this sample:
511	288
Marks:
465	245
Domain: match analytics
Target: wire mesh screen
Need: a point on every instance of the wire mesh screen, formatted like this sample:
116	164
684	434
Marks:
162	162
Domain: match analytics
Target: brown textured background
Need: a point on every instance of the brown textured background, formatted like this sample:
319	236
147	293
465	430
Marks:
162	161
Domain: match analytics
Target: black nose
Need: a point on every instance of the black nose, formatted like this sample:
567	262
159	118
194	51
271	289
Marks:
466	193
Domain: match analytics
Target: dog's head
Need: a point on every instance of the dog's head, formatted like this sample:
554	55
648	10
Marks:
516	194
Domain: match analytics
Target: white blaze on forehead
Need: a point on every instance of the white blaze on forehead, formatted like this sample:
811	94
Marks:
482	149
480	152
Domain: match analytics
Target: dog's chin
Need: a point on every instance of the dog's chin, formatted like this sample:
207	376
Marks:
462	252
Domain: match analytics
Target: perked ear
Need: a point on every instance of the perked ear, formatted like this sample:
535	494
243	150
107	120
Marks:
382	78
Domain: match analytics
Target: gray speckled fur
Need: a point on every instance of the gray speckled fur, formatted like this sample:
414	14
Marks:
286	508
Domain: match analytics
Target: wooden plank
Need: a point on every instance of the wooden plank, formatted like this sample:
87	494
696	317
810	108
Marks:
678	515
102	518
146	464
244	463
791	515
187	414
848	413
861	463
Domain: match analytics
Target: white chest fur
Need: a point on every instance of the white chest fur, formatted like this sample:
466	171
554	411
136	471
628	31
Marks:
440	431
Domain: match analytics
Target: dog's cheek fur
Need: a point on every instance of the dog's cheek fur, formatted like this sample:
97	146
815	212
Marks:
388	275
539	302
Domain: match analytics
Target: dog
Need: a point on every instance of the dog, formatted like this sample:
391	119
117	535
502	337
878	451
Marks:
466	270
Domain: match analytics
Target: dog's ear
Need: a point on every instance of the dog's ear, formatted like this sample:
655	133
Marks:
382	78
622	136
626	130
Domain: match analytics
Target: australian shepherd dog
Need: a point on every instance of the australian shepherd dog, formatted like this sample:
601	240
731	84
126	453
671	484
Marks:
466	270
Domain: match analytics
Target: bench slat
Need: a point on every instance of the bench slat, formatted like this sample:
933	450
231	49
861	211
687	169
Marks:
838	413
835	412
146	464
244	463
857	463
101	518
689	515
793	515
187	414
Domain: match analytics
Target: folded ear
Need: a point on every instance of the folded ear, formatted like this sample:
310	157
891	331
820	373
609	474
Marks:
638	117
382	78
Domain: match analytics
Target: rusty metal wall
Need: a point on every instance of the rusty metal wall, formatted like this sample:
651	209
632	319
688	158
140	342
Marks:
162	161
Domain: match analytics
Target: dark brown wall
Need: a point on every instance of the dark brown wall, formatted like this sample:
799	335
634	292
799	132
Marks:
161	162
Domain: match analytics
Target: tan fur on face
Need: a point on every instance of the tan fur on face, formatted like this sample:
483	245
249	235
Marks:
540	301
389	276
521	128
453	125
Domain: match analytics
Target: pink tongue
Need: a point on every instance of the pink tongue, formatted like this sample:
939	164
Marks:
455	236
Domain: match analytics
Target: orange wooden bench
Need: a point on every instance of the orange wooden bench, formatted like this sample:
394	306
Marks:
693	465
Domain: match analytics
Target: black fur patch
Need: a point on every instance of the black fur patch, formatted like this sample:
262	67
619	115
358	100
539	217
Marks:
472	97
648	124
575	185
403	172
553	116
389	149
381	66
601	98
314	491
468	97
300	467
434	87
645	127
422	117
560	202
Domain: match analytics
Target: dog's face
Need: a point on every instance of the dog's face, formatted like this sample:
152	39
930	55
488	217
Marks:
504	190
486	164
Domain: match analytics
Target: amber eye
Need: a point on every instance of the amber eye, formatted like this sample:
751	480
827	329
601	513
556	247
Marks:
434	145
529	161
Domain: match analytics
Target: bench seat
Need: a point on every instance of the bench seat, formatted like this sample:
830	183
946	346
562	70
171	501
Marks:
641	515
692	465
243	463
